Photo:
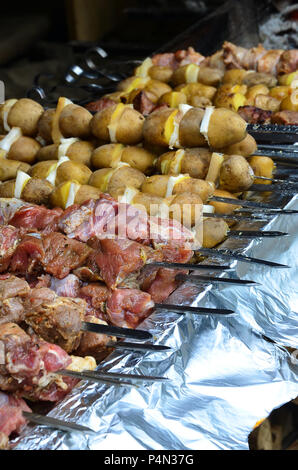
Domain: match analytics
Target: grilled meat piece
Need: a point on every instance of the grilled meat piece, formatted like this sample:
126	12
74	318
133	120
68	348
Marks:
285	118
254	115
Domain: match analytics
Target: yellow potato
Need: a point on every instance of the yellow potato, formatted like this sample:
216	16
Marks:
280	92
197	89
74	121
25	149
85	192
9	168
245	147
225	128
267	102
156	185
188	129
79	152
262	166
257	78
161	73
173	99
254	91
110	155
204	189
186	208
44	126
115	181
223	207
290	103
194	162
73	171
128	125
25	113
234	76
288	78
236	174
199	101
214	232
231	101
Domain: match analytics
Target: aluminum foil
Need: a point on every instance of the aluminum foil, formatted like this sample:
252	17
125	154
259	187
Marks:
224	375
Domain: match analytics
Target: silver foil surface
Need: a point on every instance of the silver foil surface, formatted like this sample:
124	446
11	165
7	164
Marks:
224	375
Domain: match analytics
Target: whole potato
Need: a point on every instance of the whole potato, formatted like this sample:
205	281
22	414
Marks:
4	111
225	128
155	89
262	166
173	99
37	191
155	127
254	91
74	121
9	168
267	102
199	101
257	78
117	180
197	89
73	171
25	149
44	126
290	103
25	113
161	73
41	170
236	174
156	185
214	232
186	208
223	207
204	189
7	189
245	147
188	129
234	76
195	162
139	158
129	125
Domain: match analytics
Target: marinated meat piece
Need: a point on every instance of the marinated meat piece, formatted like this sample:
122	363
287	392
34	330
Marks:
120	257
8	207
28	364
90	219
55	319
254	115
161	283
285	118
42	281
62	254
288	62
128	307
95	294
142	103
12	293
93	344
11	415
99	105
67	287
36	217
9	239
166	59
27	256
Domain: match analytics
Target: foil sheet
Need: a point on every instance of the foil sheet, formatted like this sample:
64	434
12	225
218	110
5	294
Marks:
224	375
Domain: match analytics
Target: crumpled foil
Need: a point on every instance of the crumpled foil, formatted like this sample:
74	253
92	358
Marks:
224	375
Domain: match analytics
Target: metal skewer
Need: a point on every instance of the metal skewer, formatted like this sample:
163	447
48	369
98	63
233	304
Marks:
238	218
144	347
183	309
258	205
119	375
274	187
195	267
228	254
50	422
92	378
116	331
255	234
214	280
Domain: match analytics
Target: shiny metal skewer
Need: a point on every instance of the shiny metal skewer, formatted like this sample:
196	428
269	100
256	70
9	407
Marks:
54	423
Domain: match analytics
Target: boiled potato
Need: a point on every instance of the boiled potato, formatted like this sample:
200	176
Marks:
236	174
110	155
290	103
256	78
204	189
68	170
245	147
197	89
173	99
128	125
267	102
44	126
288	78
262	166
223	207
85	192
115	181
225	128
199	101
234	76
186	208
254	91
9	168
161	73
280	92
79	152
214	232
188	129
25	113
74	121
25	149
194	162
